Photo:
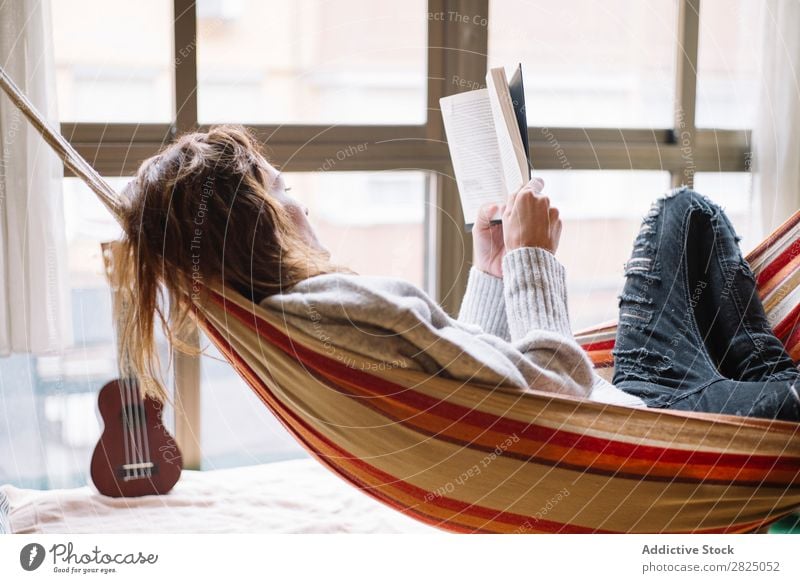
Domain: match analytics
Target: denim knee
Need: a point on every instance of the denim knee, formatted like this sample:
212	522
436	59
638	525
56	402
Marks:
683	198
668	210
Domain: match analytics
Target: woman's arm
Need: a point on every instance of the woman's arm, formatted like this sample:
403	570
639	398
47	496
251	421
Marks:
535	292
535	288
538	319
484	303
484	300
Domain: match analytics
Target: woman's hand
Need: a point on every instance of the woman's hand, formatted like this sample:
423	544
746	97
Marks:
487	241
530	221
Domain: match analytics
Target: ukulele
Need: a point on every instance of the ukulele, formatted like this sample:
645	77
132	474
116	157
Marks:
136	455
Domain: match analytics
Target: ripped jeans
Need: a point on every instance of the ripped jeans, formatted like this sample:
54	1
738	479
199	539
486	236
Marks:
692	331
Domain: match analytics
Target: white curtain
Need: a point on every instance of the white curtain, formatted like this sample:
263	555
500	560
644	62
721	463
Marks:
34	295
777	132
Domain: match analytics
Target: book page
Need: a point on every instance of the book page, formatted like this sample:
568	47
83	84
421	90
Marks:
512	151
471	135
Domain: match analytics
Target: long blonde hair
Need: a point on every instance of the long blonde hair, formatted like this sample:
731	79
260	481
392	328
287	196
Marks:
199	212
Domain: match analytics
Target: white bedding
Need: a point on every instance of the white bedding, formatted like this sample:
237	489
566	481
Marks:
297	496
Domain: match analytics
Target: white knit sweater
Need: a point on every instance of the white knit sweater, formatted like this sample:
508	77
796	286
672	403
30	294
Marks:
513	331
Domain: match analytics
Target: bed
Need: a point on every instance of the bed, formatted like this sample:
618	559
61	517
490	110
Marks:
296	496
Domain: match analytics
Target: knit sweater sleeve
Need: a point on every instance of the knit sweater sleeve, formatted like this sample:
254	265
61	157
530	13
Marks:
536	305
484	304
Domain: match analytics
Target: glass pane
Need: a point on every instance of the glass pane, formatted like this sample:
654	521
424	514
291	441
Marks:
312	61
385	208
733	192
727	63
237	429
23	446
589	63
602	210
113	60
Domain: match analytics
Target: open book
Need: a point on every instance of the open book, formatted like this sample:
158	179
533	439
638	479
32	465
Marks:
487	133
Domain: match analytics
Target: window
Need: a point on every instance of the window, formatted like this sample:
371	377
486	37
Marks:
113	60
313	61
733	192
315	77
727	63
237	430
601	211
588	63
387	209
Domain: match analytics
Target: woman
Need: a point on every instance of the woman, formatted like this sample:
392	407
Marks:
210	208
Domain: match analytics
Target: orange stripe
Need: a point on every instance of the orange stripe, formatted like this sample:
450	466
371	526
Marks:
602	358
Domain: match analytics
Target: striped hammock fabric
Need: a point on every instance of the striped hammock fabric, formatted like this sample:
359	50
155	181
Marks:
468	458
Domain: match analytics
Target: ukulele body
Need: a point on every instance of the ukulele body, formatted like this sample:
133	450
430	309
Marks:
136	455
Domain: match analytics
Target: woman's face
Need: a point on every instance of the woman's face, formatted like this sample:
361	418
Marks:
297	211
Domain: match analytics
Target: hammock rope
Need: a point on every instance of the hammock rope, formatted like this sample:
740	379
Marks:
469	458
70	157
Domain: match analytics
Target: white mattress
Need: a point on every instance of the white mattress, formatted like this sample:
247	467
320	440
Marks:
297	496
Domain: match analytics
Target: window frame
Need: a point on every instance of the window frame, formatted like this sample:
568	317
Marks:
455	51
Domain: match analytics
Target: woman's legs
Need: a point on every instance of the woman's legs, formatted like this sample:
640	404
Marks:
692	333
731	316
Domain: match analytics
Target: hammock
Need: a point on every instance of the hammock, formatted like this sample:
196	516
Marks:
469	458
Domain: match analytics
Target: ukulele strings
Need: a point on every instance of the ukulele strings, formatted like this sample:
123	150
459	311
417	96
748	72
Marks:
137	452
145	436
126	426
133	429
138	429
